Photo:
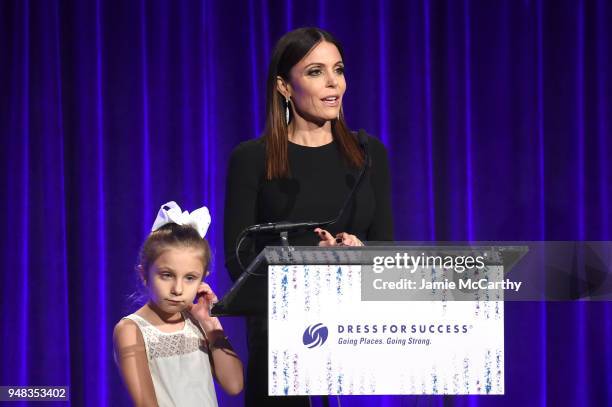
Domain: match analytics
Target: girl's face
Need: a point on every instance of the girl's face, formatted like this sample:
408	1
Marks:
174	278
316	84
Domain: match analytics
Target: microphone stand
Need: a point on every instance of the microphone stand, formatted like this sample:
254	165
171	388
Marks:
284	238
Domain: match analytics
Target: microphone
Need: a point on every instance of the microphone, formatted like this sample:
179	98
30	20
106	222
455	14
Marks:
281	227
362	138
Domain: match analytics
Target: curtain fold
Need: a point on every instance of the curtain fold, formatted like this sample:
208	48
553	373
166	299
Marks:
496	116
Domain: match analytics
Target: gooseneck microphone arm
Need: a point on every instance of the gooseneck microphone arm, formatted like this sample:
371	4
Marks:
285	227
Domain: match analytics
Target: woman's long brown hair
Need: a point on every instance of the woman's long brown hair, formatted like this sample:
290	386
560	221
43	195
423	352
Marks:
289	50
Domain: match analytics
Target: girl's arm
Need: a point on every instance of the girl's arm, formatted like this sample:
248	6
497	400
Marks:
132	360
225	363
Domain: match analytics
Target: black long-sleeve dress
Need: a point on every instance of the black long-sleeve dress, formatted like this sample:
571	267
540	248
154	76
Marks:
319	183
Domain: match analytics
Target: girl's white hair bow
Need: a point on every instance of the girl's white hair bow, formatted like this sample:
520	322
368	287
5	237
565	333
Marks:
171	213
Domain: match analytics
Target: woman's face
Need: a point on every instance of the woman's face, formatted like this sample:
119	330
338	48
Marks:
316	84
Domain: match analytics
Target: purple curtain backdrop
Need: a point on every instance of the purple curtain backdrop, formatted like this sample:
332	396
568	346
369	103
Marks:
496	116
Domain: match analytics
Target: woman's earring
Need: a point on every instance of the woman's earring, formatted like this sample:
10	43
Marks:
287	111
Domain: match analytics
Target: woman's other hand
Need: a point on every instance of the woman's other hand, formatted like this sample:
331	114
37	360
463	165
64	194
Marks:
341	239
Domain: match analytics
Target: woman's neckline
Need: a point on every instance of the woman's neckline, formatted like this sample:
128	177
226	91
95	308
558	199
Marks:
332	142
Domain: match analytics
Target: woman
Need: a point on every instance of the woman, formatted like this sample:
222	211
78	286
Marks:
302	169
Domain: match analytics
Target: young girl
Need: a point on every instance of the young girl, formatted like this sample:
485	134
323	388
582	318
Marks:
169	350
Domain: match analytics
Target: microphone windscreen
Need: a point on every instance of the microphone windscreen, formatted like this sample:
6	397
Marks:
362	137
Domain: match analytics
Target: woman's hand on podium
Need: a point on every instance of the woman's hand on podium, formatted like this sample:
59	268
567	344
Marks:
341	239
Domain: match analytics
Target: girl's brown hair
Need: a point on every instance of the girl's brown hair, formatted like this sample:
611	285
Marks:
172	235
289	50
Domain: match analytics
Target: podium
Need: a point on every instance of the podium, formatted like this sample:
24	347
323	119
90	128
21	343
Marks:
249	294
343	321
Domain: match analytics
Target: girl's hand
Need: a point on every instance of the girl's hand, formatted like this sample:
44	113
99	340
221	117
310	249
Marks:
341	239
205	298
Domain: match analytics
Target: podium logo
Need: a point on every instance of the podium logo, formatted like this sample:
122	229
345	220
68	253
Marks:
315	335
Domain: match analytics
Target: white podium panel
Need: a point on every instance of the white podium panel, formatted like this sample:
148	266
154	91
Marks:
323	339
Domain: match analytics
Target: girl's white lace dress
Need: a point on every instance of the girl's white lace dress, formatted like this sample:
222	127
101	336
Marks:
179	365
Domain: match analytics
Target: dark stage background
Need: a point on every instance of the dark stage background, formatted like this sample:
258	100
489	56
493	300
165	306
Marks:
496	115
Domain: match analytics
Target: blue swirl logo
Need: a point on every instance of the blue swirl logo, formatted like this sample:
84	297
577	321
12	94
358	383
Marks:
315	335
